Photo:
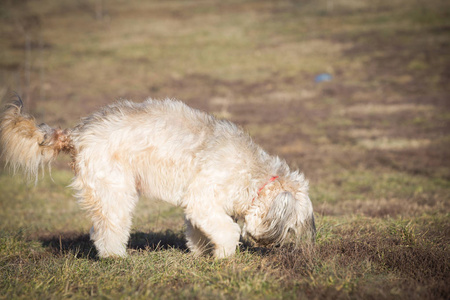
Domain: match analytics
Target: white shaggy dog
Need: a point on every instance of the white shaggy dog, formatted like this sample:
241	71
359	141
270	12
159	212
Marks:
169	151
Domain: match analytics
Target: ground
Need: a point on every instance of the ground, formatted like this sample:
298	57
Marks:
373	141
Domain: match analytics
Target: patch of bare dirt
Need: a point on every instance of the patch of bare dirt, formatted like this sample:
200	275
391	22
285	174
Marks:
382	208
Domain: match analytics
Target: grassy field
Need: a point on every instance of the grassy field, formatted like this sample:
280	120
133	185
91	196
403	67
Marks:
374	141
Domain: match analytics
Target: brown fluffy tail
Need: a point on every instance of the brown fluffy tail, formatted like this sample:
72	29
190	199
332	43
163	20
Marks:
26	146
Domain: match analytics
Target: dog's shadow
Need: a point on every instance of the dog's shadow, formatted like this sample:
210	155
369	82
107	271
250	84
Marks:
81	246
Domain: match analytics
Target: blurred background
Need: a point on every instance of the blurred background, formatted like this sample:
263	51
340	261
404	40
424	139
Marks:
355	94
330	85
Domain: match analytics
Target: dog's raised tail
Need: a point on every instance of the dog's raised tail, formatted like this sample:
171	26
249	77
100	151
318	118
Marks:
27	146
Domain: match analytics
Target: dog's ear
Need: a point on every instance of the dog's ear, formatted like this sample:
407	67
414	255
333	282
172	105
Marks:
307	232
279	217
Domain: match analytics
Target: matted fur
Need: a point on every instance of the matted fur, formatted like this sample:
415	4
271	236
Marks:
169	151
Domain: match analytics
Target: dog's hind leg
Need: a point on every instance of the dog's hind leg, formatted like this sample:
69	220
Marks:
111	214
109	196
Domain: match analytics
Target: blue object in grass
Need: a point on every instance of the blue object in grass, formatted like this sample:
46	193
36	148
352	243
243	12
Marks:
323	77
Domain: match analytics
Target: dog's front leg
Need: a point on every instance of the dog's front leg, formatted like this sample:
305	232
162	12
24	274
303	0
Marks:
197	242
218	227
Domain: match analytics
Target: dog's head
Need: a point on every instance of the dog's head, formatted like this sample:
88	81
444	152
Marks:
283	206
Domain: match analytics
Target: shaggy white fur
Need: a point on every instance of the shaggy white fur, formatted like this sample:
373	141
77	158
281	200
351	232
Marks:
169	151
